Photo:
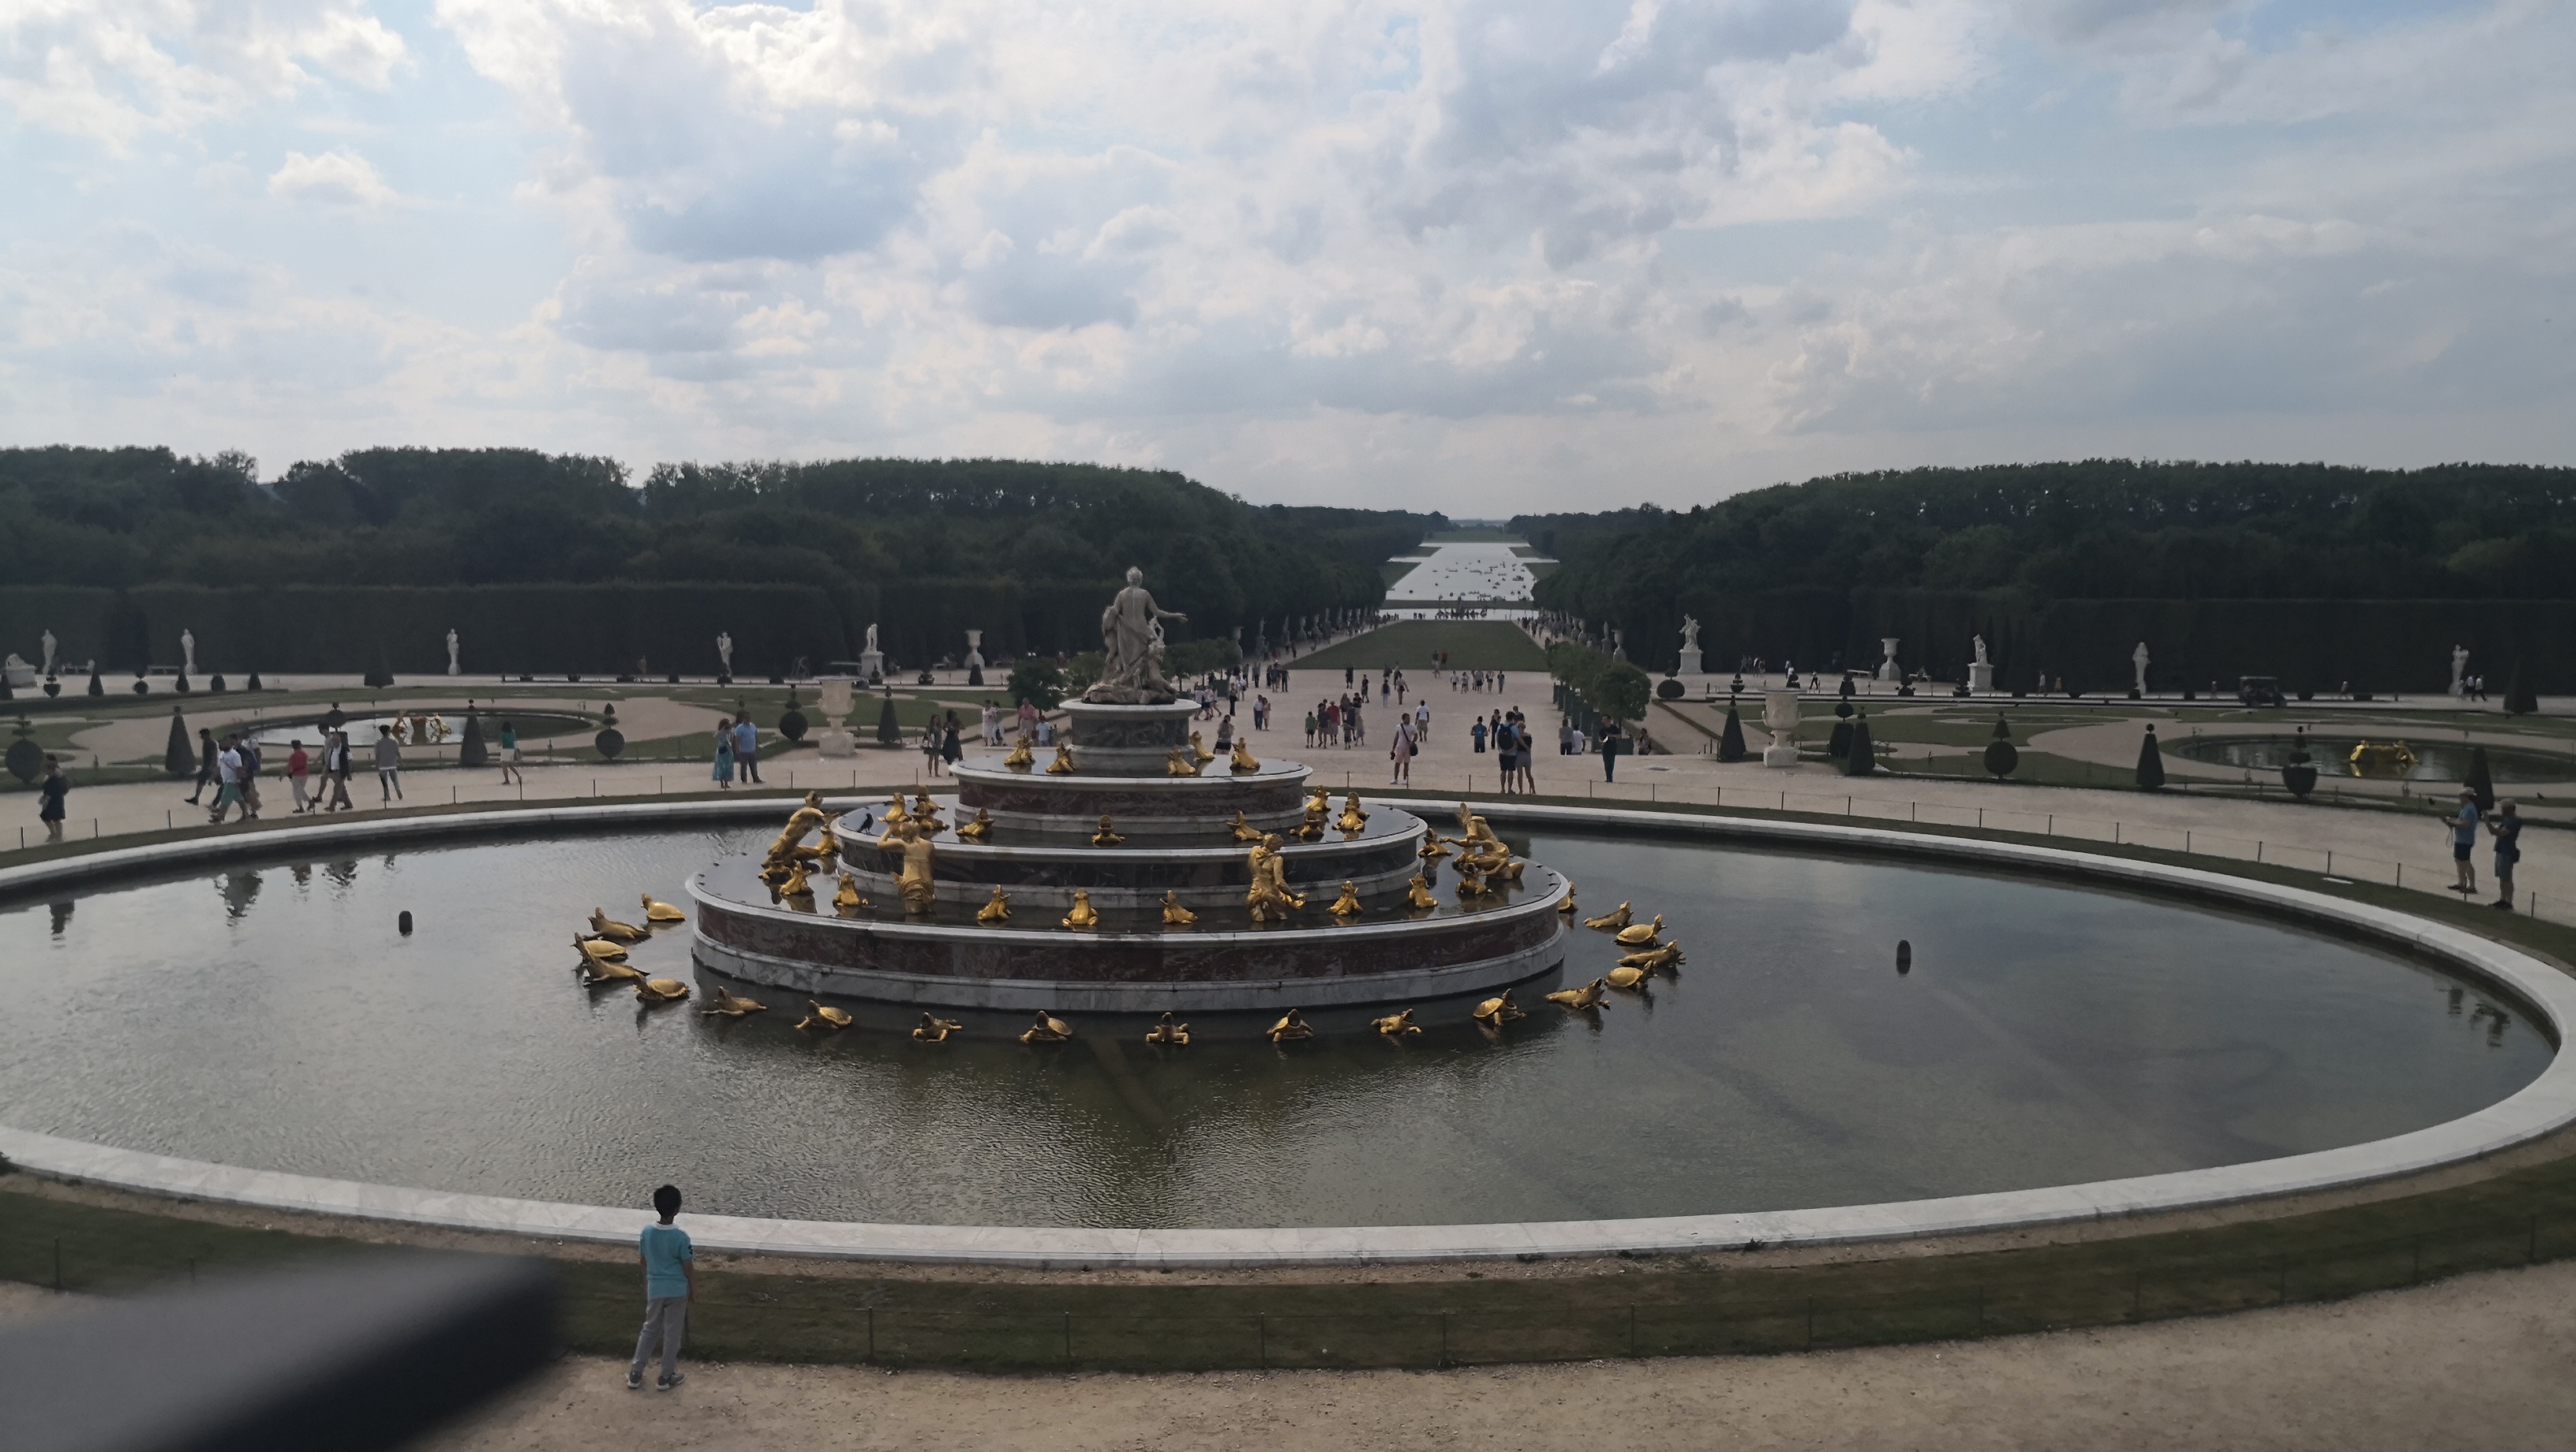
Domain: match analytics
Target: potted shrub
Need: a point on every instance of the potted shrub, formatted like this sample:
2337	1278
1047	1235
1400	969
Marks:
791	722
1670	688
26	760
2151	762
610	740
2299	773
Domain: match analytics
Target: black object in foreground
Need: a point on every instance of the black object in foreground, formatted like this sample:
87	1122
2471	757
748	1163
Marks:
354	1355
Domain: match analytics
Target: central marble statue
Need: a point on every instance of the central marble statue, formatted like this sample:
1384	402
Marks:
1131	643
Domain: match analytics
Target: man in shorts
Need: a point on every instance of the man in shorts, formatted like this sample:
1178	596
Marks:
2464	840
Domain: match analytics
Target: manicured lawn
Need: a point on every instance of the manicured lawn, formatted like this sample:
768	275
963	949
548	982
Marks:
1487	645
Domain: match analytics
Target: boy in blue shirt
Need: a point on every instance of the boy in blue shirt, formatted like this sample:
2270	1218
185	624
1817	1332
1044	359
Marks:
670	1283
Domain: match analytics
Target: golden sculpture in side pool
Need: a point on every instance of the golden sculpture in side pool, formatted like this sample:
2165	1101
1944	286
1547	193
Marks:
1291	1028
1179	763
1352	818
1023	754
978	829
1586	997
1083	914
1047	1029
1175	915
1348	904
934	1030
1063	763
1269	899
894	815
1627	977
1169	1030
1641	935
1656	959
613	930
819	1017
1319	809
662	912
1611	921
1107	836
998	910
1243	829
1397	1026
1417	893
1239	761
1471	884
914	883
1433	848
1199	754
848	902
731	1005
1495	1012
1566	907
2386	760
600	949
661	990
925	815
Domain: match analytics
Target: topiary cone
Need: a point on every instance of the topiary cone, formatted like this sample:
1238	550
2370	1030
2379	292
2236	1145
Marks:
1730	742
1859	759
889	728
181	758
2479	779
470	750
2151	763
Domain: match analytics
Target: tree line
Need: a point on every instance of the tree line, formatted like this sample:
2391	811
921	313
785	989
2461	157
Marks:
127	518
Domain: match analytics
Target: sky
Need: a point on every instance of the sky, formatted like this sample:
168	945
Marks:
1454	255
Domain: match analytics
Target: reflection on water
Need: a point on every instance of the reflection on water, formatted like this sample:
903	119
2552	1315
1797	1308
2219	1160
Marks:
2333	756
2043	1035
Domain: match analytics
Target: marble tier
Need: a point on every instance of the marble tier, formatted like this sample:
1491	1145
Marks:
1156	805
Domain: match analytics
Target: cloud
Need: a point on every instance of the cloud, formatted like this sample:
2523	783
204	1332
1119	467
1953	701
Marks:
339	177
1442	248
113	73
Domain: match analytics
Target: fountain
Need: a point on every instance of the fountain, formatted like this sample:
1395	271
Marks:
1283	901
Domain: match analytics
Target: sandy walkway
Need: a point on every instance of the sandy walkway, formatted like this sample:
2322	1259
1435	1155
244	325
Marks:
2477	1362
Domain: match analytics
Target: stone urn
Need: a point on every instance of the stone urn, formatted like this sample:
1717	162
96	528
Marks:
2299	773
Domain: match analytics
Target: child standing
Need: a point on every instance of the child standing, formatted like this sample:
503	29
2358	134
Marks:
670	1283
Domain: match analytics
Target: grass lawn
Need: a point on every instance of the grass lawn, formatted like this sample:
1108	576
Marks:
1488	645
1394	570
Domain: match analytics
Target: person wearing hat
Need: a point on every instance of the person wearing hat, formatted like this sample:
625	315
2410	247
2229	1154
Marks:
2464	840
2506	826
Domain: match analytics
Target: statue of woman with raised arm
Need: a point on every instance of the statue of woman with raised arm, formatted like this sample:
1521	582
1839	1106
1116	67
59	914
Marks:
1130	674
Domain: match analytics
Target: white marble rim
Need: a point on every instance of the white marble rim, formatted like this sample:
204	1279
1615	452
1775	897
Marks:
2540	1108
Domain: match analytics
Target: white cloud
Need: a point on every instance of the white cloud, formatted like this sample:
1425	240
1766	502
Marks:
114	71
339	177
1443	247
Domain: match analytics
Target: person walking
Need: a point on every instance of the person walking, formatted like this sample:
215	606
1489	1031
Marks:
670	1285
510	755
298	767
1402	752
227	783
336	765
1503	757
1522	744
931	741
206	750
1476	733
2464	840
388	765
1310	729
952	743
746	750
2506	826
723	771
1612	743
248	746
50	792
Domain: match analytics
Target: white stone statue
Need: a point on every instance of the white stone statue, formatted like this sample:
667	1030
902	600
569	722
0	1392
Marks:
49	644
188	653
2459	669
1130	641
453	668
2138	658
1979	642
1690	633
872	638
724	651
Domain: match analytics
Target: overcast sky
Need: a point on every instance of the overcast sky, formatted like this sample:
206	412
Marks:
1453	254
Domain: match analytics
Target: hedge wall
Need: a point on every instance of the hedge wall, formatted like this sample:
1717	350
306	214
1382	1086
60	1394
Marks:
79	618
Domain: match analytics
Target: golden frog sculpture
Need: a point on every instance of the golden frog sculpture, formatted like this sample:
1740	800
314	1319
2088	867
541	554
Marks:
998	910
1063	763
1417	893
1023	754
1348	904
1169	1030
1179	763
1084	915
1175	915
1242	829
1240	761
978	829
1107	836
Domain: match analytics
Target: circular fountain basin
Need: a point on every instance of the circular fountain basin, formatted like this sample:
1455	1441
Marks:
2061	1047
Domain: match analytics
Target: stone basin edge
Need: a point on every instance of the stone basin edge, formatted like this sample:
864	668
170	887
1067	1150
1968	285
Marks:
2540	1108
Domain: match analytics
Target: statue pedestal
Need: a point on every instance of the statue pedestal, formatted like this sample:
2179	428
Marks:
836	742
1780	753
1981	678
871	666
1690	663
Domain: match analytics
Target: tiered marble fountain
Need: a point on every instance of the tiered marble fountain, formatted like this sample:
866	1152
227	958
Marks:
1181	844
